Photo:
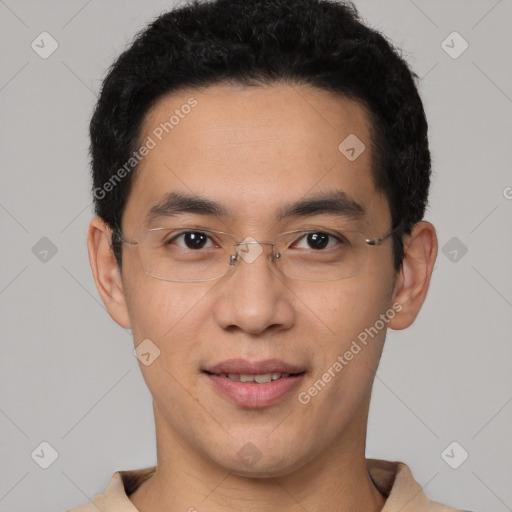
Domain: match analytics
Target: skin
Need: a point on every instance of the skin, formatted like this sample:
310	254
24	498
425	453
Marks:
252	149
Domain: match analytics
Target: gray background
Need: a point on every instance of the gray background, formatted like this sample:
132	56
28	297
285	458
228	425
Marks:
67	371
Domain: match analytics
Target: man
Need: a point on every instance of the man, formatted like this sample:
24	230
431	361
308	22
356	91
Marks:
261	171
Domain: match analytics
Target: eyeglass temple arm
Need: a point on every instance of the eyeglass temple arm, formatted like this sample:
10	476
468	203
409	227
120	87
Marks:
117	237
379	240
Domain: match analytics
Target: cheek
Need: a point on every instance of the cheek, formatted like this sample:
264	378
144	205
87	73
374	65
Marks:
350	306
356	315
346	358
172	316
165	312
154	305
169	315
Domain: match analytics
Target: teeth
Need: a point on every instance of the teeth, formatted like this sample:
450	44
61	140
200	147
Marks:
265	377
260	379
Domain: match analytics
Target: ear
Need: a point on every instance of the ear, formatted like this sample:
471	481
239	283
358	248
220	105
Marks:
106	272
413	279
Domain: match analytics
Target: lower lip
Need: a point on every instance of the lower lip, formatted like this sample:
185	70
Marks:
251	394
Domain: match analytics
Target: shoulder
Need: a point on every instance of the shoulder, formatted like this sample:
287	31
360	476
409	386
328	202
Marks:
115	497
395	480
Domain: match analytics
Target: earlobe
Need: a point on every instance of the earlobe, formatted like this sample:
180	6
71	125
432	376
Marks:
413	280
106	272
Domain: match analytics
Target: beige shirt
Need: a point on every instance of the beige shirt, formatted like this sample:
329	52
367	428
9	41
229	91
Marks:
393	479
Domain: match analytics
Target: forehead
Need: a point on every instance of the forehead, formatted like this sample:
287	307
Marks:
254	148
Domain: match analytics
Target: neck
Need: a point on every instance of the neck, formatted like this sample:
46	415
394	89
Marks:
337	479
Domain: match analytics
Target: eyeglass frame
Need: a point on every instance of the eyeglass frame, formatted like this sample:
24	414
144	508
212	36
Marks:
118	237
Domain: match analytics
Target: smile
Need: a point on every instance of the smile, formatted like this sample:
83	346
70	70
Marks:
261	378
259	390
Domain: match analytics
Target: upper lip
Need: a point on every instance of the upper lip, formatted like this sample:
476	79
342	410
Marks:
244	367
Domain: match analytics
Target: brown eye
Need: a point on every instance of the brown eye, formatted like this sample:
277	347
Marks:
191	240
317	240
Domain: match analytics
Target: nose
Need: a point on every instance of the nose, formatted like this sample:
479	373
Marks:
253	296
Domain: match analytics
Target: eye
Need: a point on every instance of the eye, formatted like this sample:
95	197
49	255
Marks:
190	240
318	240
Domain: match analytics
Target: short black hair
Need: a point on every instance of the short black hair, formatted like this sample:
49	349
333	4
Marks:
322	43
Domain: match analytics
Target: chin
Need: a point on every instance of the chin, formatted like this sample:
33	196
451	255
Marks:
261	470
250	462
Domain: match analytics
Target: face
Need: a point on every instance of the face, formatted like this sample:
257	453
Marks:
252	151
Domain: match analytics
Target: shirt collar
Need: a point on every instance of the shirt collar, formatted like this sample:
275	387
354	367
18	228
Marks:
393	479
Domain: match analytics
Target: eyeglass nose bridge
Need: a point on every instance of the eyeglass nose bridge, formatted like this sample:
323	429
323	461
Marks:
234	258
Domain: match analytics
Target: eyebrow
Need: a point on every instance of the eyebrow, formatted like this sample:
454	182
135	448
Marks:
335	202
176	203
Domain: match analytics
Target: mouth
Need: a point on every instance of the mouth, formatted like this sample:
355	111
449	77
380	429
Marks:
254	384
260	378
276	368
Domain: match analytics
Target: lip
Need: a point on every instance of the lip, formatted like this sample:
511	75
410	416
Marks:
252	394
246	367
